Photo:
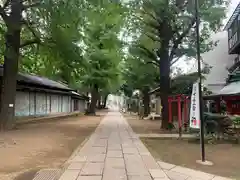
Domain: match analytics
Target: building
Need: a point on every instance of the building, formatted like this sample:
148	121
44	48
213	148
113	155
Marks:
155	101
38	96
233	29
225	57
231	91
220	61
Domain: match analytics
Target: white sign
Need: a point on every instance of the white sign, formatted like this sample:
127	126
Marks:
195	107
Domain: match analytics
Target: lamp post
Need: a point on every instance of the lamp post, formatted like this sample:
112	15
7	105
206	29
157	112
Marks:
200	81
203	157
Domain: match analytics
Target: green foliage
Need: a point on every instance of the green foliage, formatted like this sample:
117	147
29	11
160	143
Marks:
58	56
103	53
179	18
172	24
79	43
183	83
236	120
138	71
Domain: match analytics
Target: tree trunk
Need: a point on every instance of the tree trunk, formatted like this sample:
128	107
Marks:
99	102
146	101
164	85
11	57
0	95
105	101
94	98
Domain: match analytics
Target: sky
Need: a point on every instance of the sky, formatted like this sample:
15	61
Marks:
190	66
232	7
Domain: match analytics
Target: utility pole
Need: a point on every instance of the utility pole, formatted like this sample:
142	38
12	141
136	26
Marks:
200	81
202	123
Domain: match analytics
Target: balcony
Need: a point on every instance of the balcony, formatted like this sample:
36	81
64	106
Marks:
235	66
234	41
233	28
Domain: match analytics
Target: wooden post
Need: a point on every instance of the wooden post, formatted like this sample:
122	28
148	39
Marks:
218	106
185	113
179	116
170	109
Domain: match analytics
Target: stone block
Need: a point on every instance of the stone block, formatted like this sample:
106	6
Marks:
75	166
157	173
114	154
165	165
90	169
69	175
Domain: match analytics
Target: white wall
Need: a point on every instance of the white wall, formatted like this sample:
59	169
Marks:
219	59
41	104
22	105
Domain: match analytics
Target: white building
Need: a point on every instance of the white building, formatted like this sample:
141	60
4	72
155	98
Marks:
220	61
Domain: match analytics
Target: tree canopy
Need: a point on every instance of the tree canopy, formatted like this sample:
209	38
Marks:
72	41
81	43
171	25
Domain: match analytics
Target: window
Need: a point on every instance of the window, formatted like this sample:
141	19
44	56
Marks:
233	40
236	60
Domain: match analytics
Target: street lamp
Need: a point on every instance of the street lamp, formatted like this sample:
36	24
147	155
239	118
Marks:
200	79
203	157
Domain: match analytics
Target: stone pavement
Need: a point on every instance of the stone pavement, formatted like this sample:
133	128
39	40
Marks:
114	152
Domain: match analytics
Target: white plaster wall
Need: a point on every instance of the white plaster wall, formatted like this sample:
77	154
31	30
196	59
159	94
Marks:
41	104
32	103
59	104
65	104
54	103
46	104
81	105
158	105
22	104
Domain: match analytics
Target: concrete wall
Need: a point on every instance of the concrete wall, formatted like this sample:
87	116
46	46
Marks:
220	60
42	104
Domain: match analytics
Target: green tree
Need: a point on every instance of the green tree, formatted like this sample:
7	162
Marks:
27	28
12	22
138	72
103	51
172	24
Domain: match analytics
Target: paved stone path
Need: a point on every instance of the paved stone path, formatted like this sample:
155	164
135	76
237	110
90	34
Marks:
114	152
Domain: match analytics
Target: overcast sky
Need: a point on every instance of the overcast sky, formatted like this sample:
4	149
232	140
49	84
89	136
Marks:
232	7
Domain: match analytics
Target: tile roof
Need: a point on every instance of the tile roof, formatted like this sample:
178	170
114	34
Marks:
36	80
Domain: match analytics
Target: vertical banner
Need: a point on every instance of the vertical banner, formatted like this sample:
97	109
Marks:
195	107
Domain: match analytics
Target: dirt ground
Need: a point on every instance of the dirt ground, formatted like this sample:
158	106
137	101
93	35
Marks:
185	153
42	145
143	126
